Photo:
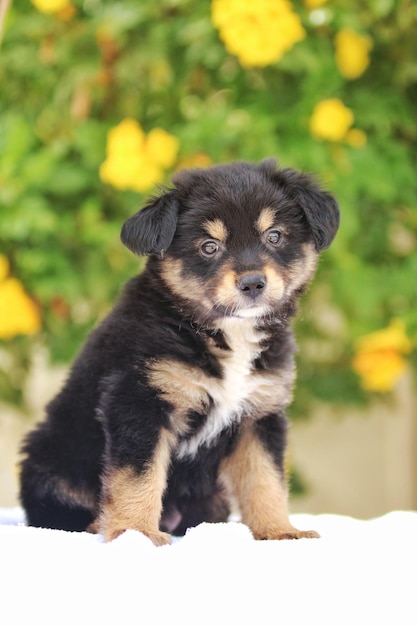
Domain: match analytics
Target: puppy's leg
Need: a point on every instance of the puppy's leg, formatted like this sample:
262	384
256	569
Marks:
53	491
136	457
253	473
133	499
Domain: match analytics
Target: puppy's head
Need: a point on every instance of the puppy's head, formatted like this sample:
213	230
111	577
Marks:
236	240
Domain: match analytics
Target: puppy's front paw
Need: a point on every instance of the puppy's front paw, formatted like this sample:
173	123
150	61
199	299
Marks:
158	538
287	533
94	527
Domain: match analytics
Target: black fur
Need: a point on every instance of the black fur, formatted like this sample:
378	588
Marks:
180	333
152	229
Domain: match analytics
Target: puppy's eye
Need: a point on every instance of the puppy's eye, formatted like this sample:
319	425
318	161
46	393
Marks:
274	237
209	248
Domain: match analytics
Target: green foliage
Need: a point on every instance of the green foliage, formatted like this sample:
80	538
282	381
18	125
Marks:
66	80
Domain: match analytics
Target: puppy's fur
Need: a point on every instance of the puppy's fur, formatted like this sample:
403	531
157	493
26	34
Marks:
175	408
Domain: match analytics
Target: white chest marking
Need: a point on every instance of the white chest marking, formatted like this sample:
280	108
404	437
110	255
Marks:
231	394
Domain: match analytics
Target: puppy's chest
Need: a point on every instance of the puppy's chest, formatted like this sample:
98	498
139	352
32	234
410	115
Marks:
239	376
242	390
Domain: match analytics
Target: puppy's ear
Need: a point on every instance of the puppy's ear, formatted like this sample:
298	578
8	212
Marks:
322	213
320	207
151	230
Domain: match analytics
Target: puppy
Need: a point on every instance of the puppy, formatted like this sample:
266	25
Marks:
175	408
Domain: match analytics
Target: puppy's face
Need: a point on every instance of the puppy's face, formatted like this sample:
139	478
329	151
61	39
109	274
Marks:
239	259
241	243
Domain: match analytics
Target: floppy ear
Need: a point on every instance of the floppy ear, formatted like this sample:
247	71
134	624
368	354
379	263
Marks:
151	230
320	207
322	213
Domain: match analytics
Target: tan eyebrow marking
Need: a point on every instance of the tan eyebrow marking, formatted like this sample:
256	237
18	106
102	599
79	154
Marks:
265	220
216	229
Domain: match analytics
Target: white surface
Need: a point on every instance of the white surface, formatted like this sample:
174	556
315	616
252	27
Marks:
359	572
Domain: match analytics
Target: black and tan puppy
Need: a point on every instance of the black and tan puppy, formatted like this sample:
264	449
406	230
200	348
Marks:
175	408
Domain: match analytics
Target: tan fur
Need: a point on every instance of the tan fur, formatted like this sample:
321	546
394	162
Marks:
253	480
133	501
188	288
216	229
265	220
275	283
185	387
303	270
226	292
270	391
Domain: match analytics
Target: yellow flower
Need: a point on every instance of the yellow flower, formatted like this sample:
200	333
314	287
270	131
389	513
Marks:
258	33
393	337
161	147
137	161
19	315
124	171
125	138
331	120
356	138
352	53
51	6
314	4
379	359
379	371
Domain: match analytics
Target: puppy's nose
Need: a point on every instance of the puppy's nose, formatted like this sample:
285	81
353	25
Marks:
252	285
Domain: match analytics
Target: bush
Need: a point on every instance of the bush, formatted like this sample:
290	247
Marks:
326	87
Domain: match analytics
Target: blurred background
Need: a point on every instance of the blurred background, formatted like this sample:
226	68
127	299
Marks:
101	101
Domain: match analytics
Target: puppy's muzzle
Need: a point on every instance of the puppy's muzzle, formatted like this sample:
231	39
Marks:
252	285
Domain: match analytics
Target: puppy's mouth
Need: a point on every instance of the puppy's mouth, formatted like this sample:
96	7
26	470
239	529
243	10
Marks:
242	310
252	311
